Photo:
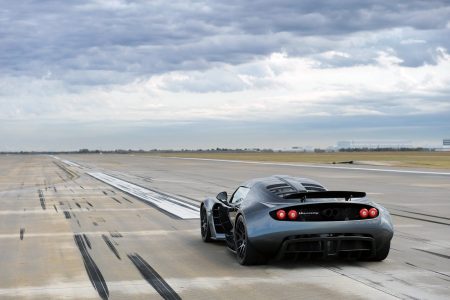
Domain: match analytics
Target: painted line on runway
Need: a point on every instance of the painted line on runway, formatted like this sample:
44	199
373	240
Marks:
70	163
314	166
168	204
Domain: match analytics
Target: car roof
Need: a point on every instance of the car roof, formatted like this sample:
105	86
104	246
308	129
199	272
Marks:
295	183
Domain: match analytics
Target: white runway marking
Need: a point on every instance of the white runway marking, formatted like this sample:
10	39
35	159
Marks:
70	163
314	166
67	162
171	205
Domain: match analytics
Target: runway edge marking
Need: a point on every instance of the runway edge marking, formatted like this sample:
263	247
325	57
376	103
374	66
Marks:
313	166
170	205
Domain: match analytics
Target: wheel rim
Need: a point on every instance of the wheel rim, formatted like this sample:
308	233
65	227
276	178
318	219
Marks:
241	240
203	223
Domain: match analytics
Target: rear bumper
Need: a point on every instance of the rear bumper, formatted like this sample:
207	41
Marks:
323	238
329	245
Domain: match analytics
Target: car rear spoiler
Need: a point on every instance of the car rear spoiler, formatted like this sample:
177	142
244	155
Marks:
347	195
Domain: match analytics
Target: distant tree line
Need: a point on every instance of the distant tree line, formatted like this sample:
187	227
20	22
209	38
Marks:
212	150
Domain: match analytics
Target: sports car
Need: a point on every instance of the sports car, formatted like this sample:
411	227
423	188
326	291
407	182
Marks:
281	216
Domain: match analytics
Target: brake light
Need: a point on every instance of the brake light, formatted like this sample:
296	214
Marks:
292	214
281	214
373	212
363	213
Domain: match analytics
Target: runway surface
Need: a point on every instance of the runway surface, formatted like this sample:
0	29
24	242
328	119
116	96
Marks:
124	227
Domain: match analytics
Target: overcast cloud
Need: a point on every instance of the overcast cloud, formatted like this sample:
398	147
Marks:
241	68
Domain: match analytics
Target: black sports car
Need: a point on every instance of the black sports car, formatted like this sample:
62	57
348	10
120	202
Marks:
282	216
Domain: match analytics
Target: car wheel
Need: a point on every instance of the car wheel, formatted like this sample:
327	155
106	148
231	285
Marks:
204	226
246	254
382	253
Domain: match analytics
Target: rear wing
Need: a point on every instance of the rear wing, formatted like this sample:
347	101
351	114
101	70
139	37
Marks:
347	195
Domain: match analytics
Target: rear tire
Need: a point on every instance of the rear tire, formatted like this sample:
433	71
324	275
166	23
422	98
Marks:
246	254
382	253
204	226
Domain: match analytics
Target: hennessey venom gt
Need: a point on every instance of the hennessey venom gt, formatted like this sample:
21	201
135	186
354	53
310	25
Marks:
281	216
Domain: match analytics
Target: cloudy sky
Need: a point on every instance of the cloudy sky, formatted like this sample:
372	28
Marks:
176	74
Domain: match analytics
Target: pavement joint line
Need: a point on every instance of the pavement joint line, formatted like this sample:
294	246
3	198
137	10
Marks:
100	233
313	166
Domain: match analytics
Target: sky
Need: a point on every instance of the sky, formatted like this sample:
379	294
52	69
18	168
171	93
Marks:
110	74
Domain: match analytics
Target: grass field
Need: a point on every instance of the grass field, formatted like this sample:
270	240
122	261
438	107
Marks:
401	159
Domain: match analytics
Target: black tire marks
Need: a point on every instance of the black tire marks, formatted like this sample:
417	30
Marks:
153	278
117	200
42	199
22	232
88	242
420	219
126	199
95	276
67	214
111	246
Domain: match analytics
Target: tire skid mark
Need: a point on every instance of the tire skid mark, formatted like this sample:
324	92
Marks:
95	276
153	278
105	193
42	199
420	219
374	285
89	203
433	271
22	232
111	246
126	199
88	242
54	206
420	214
117	200
434	253
116	234
78	204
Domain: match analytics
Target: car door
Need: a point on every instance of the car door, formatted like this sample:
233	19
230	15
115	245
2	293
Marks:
236	201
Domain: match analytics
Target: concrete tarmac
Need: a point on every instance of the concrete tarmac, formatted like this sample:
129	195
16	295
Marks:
67	235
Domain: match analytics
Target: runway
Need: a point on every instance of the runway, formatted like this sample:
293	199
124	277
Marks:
123	227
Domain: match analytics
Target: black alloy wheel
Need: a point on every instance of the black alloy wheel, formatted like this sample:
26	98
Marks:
204	226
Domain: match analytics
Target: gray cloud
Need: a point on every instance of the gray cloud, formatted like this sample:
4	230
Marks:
200	60
141	38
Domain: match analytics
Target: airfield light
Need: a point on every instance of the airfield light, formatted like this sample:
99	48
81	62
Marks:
281	214
363	213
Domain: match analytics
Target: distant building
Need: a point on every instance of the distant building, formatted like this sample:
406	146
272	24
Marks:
374	144
446	143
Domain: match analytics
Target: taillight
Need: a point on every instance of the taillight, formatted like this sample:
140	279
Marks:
363	213
281	214
292	214
373	212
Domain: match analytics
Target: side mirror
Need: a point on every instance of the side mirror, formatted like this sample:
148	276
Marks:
222	197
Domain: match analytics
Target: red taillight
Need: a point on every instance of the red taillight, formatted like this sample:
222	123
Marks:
292	214
363	213
373	212
281	214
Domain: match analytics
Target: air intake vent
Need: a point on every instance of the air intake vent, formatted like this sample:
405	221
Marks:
313	187
281	189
